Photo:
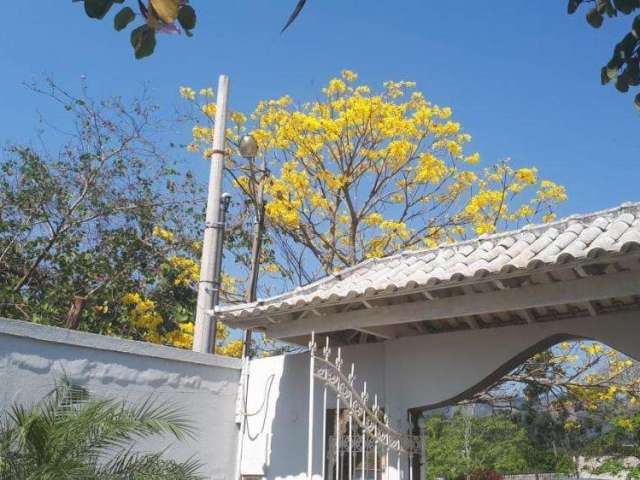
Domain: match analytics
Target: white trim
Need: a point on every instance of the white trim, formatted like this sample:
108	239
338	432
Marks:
576	291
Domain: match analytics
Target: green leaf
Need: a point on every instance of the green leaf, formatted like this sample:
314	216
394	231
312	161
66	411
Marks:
605	6
187	17
143	41
594	18
626	47
123	18
627	6
632	74
573	6
614	65
97	8
635	28
621	84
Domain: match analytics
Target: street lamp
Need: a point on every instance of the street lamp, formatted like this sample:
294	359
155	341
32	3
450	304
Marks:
248	146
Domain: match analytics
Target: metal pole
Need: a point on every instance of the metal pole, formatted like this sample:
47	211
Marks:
338	365
375	439
386	462
410	453
351	377
326	353
312	348
204	335
364	432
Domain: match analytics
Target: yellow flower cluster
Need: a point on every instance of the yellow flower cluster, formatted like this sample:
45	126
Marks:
182	337
209	110
625	423
188	270
143	316
187	93
231	349
162	233
551	191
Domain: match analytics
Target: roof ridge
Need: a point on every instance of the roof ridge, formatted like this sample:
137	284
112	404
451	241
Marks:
342	274
531	227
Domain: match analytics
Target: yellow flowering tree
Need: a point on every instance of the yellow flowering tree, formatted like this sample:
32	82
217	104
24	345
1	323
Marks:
176	288
360	173
576	380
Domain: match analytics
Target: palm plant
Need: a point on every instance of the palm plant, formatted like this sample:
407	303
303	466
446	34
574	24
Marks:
71	435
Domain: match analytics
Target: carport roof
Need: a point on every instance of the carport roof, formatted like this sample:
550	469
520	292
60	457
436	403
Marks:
503	261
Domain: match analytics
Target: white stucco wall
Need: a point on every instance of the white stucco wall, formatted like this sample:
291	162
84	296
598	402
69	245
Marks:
406	373
203	386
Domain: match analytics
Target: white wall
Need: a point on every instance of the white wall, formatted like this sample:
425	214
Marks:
406	373
203	386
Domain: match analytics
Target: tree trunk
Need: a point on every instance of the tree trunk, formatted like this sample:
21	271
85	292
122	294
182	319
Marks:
75	311
256	250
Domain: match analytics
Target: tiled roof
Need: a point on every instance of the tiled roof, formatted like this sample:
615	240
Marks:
577	237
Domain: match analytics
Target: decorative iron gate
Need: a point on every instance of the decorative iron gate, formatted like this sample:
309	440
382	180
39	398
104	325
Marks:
366	431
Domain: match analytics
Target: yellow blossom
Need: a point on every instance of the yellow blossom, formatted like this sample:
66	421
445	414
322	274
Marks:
187	93
163	234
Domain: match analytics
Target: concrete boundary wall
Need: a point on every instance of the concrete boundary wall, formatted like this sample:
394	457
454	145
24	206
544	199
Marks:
204	387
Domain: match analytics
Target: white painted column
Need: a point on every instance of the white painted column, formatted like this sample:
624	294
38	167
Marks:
208	286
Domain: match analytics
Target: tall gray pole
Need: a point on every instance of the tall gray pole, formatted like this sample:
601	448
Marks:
204	334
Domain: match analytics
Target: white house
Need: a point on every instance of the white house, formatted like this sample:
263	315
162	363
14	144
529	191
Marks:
427	328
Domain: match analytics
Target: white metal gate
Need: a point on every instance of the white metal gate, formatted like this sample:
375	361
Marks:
365	437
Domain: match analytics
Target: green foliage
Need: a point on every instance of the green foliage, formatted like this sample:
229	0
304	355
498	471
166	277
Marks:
123	18
77	225
624	66
187	18
617	443
143	41
72	435
157	16
463	444
98	8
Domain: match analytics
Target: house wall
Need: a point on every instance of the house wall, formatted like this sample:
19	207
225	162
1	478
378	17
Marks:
204	387
407	373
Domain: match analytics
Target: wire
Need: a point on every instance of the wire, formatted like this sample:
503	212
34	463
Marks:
265	403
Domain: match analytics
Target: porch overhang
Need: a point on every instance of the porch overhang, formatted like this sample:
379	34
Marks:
580	266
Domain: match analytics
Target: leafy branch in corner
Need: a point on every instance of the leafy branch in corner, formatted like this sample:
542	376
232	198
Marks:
159	16
623	69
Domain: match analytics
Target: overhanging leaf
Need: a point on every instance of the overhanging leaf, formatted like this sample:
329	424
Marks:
187	17
97	8
123	18
594	18
627	6
573	6
621	84
143	41
294	14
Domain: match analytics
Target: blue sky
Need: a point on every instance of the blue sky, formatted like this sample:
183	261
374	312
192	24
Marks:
521	76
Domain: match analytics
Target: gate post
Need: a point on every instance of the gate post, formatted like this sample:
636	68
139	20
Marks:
312	349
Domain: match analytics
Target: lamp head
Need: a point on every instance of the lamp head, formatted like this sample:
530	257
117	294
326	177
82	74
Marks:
248	146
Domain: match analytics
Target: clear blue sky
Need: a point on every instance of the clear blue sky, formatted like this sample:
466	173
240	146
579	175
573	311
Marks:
521	76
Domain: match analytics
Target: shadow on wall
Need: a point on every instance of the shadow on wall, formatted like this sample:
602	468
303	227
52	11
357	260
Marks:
275	440
205	393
